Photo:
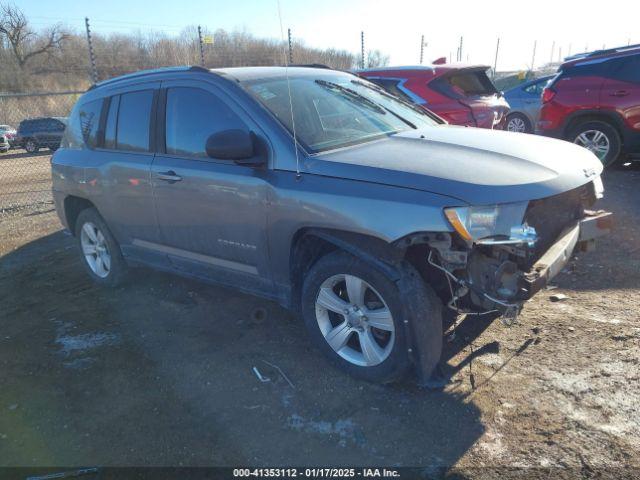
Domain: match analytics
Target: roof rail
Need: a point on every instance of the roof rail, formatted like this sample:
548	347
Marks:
142	73
310	65
606	51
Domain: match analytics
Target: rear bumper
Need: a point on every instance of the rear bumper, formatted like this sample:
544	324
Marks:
581	234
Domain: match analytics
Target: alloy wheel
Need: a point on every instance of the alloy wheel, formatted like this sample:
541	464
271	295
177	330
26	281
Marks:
30	146
516	124
95	250
355	320
594	141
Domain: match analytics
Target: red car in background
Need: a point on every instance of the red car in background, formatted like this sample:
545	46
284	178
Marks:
594	101
461	94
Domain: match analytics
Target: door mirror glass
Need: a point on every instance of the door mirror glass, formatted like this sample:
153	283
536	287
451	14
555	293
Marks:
233	144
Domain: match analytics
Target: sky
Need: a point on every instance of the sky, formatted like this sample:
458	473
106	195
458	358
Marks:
394	27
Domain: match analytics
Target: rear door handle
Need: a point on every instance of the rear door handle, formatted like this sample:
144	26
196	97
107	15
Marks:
169	176
620	93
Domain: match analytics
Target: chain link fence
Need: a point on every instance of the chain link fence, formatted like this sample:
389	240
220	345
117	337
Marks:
25	178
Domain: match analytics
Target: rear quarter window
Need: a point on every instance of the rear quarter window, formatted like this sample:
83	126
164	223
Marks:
82	127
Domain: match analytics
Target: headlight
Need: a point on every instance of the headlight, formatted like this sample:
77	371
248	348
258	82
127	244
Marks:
476	223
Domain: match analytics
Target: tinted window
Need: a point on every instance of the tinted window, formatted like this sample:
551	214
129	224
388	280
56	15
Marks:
628	69
192	115
134	116
89	118
536	88
112	123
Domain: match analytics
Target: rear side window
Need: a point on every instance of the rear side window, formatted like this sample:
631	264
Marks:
112	123
134	118
89	119
192	115
628	69
536	88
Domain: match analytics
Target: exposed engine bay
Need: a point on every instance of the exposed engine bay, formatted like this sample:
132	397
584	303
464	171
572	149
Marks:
499	273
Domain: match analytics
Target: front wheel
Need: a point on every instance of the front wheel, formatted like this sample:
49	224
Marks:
354	315
600	138
101	255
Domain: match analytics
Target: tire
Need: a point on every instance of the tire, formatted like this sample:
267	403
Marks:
31	146
330	274
112	272
517	122
593	135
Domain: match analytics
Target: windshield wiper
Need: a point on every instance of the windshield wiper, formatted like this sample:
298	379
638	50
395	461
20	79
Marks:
353	95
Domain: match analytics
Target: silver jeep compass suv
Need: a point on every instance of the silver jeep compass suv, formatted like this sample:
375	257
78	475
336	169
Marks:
365	215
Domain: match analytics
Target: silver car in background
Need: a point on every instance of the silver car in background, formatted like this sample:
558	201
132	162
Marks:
525	100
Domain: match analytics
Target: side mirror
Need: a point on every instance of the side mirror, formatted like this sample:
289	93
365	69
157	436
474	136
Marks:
233	144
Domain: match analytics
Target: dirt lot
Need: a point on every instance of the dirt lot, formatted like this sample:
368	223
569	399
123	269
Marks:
159	372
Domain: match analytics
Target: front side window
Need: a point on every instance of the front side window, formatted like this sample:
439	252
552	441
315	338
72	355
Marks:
134	118
192	116
333	111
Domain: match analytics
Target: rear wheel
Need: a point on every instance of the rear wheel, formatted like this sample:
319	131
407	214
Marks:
516	122
600	138
354	315
31	146
100	251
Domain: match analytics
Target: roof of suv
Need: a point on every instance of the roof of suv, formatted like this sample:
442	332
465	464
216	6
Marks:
598	56
240	74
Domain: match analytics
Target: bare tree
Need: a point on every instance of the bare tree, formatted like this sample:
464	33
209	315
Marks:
24	42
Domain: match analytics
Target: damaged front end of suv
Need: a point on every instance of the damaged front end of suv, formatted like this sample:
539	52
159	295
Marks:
499	256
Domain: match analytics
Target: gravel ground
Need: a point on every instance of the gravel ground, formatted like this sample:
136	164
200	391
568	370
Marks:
159	371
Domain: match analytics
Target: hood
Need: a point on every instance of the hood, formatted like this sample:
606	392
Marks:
474	165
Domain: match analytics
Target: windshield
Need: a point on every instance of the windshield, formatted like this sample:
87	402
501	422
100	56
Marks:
336	111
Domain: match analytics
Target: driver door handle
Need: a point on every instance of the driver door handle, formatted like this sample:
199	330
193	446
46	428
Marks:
169	176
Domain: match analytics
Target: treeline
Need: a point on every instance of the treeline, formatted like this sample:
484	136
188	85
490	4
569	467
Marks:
57	58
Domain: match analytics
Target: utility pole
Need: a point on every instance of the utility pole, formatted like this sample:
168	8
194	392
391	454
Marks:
421	49
201	46
290	47
495	63
362	49
460	49
92	56
560	55
569	51
533	57
553	47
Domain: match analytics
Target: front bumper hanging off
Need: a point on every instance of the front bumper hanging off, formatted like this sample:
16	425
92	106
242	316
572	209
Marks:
582	234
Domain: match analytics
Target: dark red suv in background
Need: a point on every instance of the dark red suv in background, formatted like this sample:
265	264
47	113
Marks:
594	101
462	95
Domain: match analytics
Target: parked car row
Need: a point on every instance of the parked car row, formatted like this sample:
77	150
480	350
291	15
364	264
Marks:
33	134
462	95
593	100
